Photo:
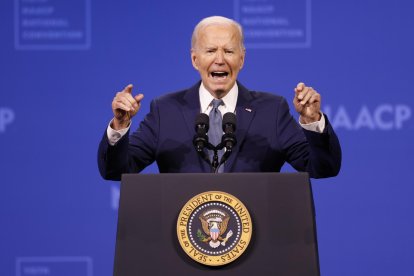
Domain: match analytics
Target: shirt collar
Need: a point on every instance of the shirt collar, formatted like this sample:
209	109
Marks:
230	100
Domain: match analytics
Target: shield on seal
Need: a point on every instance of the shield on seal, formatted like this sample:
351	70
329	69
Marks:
214	231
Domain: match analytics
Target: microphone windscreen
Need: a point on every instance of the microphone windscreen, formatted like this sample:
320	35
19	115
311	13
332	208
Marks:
202	119
229	119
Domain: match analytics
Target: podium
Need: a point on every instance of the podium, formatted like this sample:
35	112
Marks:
283	240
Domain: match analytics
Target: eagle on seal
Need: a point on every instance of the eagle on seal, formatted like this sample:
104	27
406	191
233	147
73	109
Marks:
214	223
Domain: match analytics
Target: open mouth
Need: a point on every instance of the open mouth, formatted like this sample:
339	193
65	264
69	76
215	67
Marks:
219	75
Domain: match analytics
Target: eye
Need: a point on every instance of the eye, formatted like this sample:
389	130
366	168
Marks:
229	51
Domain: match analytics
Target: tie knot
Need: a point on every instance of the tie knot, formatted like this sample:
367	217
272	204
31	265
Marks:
216	103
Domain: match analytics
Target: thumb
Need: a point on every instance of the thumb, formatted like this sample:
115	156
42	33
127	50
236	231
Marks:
139	97
299	87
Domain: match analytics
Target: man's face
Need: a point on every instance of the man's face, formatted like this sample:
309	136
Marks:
218	57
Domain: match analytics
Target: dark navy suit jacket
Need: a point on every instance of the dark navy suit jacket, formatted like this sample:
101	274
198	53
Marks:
267	137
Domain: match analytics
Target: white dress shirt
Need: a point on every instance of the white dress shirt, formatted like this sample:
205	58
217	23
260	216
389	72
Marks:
230	101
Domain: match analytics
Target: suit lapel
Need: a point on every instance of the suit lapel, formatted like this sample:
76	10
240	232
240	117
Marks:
244	113
190	109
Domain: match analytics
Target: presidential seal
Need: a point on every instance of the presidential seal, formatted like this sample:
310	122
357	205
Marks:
214	228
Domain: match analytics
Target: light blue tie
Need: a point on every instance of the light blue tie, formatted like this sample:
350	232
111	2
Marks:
216	131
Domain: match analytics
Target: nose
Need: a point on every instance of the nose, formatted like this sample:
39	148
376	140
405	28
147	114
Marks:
219	57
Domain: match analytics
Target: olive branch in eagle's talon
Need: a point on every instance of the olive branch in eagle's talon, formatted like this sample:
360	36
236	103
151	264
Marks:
201	237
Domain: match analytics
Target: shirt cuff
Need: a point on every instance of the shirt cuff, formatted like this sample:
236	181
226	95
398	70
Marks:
317	126
115	135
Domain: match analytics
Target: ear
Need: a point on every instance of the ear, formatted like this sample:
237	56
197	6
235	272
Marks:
242	59
194	59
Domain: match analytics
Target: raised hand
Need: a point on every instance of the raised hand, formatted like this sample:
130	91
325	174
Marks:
307	103
124	107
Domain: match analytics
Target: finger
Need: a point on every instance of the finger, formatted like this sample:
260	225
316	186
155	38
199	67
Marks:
299	89
127	99
121	106
296	92
300	86
128	89
315	98
306	96
297	105
131	100
125	102
301	94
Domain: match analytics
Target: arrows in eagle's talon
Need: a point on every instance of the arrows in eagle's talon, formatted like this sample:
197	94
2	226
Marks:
229	234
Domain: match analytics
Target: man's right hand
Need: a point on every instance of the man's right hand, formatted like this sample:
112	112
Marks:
124	107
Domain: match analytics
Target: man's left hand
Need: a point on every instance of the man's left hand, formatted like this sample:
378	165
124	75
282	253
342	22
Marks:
307	103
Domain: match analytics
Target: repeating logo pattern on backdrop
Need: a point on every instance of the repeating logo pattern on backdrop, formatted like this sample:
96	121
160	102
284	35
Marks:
7	117
381	117
214	228
271	24
51	25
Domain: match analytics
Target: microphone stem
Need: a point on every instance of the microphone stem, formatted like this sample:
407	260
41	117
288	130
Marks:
215	163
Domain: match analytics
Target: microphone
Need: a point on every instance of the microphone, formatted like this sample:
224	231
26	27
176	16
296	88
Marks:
229	127
200	140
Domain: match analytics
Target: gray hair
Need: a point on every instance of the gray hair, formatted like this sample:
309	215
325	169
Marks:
216	20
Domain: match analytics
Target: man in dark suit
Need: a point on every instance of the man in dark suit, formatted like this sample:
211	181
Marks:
267	135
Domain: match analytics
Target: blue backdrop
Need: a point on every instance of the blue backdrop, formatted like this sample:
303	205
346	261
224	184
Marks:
62	61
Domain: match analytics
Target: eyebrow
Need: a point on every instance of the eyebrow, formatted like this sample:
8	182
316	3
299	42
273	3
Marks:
215	47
